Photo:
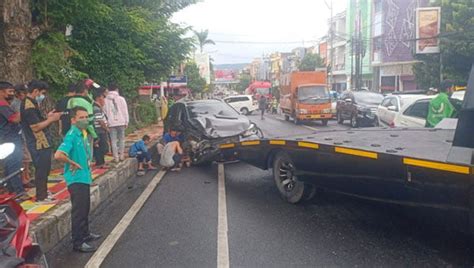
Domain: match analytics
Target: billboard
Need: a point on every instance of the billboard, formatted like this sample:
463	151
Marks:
225	75
428	21
178	81
202	61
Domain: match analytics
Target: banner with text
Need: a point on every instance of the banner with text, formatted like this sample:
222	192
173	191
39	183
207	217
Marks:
428	21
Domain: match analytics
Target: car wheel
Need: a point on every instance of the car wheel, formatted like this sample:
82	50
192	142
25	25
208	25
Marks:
376	122
354	122
291	189
287	117
244	111
340	120
325	122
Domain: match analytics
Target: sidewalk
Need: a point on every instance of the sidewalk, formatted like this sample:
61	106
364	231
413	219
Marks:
43	217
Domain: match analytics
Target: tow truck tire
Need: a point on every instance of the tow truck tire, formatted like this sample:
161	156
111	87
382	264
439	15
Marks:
354	122
291	189
324	122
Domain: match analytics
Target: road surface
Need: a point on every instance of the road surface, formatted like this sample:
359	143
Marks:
184	221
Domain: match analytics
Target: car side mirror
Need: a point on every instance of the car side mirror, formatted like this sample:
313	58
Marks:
348	100
392	108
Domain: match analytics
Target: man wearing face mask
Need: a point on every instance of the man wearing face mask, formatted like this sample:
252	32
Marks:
10	132
75	153
35	127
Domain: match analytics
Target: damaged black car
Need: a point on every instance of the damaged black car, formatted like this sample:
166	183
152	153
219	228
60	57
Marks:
206	124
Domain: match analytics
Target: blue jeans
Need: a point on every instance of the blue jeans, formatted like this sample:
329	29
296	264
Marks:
143	157
13	163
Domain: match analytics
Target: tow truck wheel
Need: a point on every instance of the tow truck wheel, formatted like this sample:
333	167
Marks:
291	189
324	122
354	122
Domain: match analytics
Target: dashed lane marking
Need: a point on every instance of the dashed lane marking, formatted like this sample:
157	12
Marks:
104	249
222	229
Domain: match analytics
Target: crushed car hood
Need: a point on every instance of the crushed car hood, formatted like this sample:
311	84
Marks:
220	127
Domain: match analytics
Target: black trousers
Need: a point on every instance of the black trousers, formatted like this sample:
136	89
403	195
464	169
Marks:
101	150
81	203
42	162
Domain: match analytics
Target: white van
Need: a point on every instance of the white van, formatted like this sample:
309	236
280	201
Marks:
242	103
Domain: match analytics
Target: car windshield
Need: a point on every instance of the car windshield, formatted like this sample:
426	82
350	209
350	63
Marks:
369	98
313	94
216	108
263	91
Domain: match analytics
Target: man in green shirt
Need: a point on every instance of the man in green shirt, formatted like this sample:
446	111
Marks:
442	106
75	152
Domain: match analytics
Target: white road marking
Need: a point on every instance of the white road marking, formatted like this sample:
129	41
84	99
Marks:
222	230
104	249
310	128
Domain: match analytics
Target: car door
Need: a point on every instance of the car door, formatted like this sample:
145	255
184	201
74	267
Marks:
393	107
351	107
232	102
382	110
415	115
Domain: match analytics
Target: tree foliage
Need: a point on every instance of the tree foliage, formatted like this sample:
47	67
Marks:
196	83
125	41
456	44
203	39
244	82
310	62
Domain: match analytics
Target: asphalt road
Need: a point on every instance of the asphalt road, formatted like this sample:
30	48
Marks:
178	226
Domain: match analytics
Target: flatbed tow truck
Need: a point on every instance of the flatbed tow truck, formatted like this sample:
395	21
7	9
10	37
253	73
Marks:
415	167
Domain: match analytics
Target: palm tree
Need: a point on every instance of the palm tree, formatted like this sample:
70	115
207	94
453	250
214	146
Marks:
202	38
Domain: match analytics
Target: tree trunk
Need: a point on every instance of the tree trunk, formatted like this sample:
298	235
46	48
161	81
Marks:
15	41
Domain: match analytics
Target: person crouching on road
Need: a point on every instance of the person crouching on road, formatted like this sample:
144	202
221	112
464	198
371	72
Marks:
171	156
140	151
75	153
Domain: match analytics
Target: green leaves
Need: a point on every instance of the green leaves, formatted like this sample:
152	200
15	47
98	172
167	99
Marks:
195	82
123	41
310	62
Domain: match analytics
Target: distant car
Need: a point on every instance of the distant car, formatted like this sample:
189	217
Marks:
391	106
206	124
359	107
414	114
242	103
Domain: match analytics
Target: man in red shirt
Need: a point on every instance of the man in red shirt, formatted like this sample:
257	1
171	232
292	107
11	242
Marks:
10	132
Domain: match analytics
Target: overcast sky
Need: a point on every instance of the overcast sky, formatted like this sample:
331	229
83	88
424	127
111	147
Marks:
244	29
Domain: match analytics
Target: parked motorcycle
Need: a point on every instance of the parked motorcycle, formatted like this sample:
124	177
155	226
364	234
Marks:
16	246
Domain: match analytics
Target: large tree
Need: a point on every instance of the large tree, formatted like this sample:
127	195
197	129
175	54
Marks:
203	39
124	40
310	62
456	44
196	83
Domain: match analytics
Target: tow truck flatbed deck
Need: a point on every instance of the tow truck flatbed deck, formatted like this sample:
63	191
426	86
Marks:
426	144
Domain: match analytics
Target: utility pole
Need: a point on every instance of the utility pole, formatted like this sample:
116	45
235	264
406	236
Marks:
331	42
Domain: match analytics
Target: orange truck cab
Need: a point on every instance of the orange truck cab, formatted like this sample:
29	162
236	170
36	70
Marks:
305	97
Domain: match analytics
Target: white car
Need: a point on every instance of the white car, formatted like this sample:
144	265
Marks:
242	103
391	106
414	114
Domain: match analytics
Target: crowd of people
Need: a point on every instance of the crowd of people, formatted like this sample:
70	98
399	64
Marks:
90	117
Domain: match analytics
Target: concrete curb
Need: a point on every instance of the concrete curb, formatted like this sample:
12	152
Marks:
56	224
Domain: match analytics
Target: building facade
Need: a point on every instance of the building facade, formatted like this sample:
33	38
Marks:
359	32
336	52
393	42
